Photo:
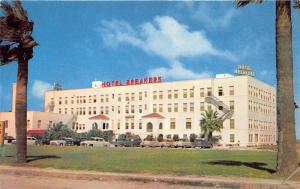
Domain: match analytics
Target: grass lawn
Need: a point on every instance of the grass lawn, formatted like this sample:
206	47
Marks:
244	163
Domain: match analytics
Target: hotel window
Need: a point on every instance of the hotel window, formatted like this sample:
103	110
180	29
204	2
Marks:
95	98
176	107
119	97
39	124
59	101
191	93
119	109
169	94
132	109
220	91
160	126
80	99
231	105
175	94
209	91
145	94
66	100
140	109
173	123
231	90
201	92
132	96
202	106
191	107
220	107
145	107
188	123
94	111
160	108
184	93
169	107
84	99
154	108
250	138
140	124
127	96
101	110
112	108
154	95
126	125
127	109
59	110
77	99
83	111
72	110
106	98
90	110
101	98
160	95
231	123
184	107
140	96
28	123
132	125
231	137
119	125
66	110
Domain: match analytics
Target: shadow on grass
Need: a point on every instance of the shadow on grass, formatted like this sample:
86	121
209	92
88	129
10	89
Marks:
254	165
34	158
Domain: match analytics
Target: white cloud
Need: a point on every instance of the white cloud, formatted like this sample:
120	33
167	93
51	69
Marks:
164	37
177	72
208	16
39	88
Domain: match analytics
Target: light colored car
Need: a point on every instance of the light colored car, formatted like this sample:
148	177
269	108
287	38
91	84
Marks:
58	142
183	144
146	143
30	141
167	144
95	141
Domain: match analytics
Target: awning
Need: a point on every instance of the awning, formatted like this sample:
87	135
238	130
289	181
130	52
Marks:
99	117
40	131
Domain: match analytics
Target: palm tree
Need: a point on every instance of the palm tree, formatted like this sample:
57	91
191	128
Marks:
286	155
16	43
210	122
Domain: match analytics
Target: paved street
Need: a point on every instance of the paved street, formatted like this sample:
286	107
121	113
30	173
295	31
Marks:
40	182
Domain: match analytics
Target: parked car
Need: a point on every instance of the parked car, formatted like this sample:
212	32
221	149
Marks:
30	141
95	141
58	142
43	141
134	142
119	142
146	143
69	141
9	139
167	144
201	143
183	144
77	141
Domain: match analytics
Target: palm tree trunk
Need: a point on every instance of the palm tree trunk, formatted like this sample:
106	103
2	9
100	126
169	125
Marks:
21	109
286	156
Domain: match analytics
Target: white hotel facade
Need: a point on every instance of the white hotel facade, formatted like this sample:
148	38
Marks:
247	105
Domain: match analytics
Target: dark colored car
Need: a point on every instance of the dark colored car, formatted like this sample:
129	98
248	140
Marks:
69	141
132	142
76	141
201	143
9	139
119	143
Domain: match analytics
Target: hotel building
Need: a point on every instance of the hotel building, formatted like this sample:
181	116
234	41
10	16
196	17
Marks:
152	107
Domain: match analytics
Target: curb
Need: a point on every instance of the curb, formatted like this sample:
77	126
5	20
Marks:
215	182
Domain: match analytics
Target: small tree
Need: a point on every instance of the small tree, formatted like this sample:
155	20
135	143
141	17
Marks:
193	136
210	122
160	138
175	137
59	131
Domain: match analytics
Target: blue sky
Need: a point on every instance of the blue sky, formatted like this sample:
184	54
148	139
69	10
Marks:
121	40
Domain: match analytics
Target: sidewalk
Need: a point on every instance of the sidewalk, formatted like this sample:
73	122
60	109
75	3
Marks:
205	181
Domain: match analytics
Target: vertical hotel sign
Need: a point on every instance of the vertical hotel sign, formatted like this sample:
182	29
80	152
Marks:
2	131
245	70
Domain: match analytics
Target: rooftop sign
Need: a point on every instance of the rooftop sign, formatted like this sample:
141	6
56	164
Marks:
128	82
245	70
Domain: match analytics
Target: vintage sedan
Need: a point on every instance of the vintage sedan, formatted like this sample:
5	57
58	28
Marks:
95	141
183	144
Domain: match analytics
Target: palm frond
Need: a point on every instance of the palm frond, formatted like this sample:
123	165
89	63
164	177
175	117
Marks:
297	4
8	9
19	10
242	3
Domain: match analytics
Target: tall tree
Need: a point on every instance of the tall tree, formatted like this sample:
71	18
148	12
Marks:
286	155
16	44
210	122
